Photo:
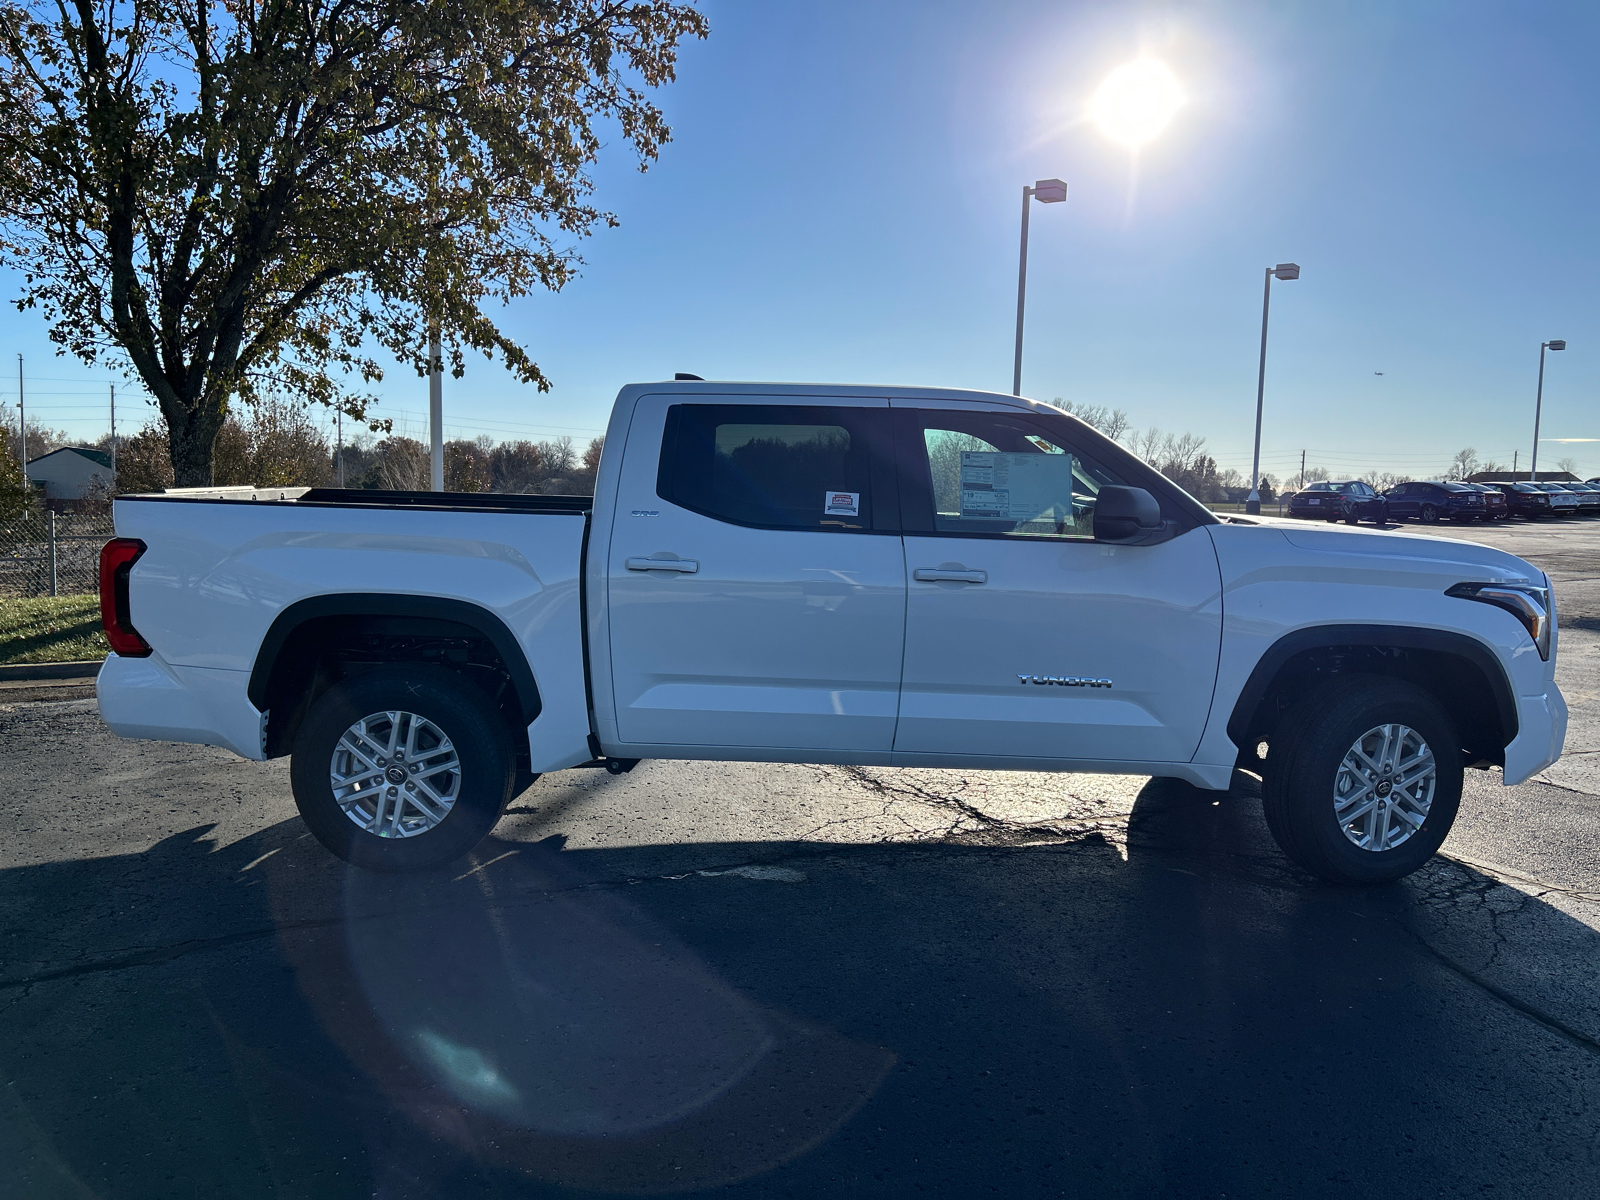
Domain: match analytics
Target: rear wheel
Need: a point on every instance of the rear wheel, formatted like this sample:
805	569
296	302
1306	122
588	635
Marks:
1364	780
1430	514
402	767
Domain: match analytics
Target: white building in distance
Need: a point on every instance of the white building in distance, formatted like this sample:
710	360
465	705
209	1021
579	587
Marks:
72	474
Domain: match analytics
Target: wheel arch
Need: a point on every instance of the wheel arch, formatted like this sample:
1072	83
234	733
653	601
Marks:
1454	668
286	660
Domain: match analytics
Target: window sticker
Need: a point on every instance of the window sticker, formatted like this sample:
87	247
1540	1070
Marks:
1015	487
841	504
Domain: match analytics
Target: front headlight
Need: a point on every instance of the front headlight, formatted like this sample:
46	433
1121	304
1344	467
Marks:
1527	602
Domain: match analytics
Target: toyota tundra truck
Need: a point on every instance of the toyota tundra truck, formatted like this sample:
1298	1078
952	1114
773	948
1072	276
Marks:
880	576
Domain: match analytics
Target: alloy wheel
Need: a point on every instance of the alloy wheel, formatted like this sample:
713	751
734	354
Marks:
395	774
1384	787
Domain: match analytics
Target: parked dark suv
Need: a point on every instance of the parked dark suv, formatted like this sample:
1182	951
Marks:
1524	499
1430	501
1349	500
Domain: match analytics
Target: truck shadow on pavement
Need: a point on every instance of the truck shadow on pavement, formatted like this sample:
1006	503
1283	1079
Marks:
1181	1015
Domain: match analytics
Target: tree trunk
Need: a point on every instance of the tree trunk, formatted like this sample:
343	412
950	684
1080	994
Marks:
193	436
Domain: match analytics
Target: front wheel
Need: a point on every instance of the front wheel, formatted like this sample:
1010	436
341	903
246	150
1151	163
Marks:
1364	780
402	767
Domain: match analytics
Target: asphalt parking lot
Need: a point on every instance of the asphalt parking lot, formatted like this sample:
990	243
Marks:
792	980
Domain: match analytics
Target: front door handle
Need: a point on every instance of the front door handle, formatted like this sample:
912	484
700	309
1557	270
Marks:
944	575
686	566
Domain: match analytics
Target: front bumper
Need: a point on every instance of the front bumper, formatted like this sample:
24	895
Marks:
1541	732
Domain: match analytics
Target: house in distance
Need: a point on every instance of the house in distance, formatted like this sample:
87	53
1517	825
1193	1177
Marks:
72	477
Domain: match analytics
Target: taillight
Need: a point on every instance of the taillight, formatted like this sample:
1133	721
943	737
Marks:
116	559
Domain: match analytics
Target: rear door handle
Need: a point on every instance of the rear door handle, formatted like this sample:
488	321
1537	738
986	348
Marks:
940	575
686	566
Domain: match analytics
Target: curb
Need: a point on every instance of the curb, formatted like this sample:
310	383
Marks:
21	672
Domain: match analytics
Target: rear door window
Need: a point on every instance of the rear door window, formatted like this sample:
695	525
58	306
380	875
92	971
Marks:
779	467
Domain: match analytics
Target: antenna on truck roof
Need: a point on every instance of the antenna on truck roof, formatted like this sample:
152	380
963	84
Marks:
686	375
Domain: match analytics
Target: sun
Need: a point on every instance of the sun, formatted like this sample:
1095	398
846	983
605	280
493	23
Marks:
1136	101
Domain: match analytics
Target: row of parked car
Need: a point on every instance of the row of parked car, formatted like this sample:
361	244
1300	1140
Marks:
1429	501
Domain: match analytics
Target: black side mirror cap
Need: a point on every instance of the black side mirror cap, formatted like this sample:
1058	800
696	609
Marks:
1125	514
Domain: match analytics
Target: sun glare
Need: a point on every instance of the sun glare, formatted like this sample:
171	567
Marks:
1136	101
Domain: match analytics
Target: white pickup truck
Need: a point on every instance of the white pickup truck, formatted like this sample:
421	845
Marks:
786	573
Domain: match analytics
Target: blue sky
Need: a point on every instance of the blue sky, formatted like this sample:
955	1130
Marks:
840	203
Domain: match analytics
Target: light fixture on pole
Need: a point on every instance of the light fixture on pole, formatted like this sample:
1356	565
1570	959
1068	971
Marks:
1538	404
1045	191
1282	271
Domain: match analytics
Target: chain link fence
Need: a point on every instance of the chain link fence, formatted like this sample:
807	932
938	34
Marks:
51	554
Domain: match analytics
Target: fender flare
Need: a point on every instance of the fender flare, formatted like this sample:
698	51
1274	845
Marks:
391	604
1396	637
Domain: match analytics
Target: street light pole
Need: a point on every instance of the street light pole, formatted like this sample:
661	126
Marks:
1538	405
1283	271
435	409
1046	191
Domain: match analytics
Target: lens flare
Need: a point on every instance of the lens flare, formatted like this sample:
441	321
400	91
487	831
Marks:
1136	101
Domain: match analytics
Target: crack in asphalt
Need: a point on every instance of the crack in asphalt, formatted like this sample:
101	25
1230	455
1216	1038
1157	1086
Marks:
1509	873
1532	1011
969	824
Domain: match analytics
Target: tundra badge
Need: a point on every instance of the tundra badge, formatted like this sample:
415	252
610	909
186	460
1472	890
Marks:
1064	680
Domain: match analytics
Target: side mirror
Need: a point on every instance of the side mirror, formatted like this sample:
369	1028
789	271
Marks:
1125	514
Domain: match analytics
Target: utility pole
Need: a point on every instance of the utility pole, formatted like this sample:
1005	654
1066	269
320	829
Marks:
1302	470
22	419
338	454
113	439
1514	454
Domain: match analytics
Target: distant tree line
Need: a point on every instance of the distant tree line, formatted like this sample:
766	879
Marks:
1181	457
274	443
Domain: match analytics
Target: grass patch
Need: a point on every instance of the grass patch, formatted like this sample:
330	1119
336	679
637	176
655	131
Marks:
51	629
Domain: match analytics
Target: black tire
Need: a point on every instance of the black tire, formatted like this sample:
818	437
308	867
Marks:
462	712
1308	748
1429	514
1353	517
